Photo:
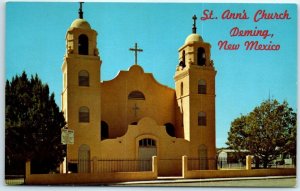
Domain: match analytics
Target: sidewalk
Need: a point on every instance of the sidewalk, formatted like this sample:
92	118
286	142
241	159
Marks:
174	180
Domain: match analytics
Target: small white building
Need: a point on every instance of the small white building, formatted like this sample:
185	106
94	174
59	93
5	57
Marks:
231	157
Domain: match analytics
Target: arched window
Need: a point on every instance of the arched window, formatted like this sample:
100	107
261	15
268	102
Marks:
201	87
183	57
201	56
182	62
83	78
202	119
83	45
84	114
147	143
84	158
170	129
181	88
136	95
104	130
203	157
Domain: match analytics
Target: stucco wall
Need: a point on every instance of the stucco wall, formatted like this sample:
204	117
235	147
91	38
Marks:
117	109
167	147
186	173
238	173
88	178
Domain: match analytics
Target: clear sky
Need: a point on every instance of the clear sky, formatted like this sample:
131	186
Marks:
35	42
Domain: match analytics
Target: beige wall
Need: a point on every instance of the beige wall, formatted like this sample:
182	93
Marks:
117	109
87	178
167	147
239	173
186	173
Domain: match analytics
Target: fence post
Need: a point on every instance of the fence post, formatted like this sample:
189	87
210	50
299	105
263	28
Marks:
184	166
248	162
27	171
154	165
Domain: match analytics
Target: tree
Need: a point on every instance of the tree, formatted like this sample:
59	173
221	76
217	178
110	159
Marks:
268	131
291	144
33	125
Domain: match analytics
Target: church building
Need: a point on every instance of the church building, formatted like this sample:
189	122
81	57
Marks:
133	116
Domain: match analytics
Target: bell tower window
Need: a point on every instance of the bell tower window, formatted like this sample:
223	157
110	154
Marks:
202	119
182	62
83	78
181	89
183	57
84	114
83	45
201	87
201	56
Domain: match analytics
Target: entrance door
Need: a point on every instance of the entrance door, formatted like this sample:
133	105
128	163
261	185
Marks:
84	159
147	149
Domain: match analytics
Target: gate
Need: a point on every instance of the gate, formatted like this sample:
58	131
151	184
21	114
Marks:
147	149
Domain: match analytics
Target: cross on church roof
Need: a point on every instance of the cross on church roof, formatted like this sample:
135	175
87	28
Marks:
80	12
194	25
135	49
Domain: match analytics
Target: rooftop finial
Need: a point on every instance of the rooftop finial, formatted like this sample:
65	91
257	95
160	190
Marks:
80	12
194	25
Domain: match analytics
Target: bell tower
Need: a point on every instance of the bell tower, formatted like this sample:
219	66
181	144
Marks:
195	94
81	95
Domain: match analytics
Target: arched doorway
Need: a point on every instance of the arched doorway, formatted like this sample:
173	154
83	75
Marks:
84	159
147	149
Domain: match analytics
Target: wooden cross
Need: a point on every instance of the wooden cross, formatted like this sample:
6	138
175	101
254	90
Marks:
135	108
194	25
135	49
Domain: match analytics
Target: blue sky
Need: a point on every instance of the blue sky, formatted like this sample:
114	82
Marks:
35	42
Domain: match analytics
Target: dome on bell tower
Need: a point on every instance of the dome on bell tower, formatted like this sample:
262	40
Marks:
193	38
80	23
